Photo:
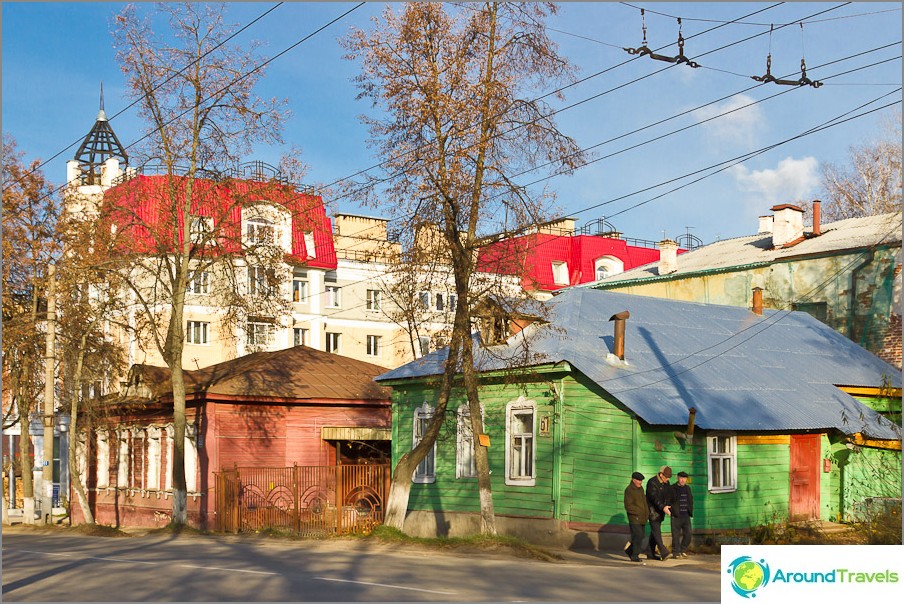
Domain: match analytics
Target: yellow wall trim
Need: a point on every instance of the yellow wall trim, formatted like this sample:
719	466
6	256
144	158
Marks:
772	439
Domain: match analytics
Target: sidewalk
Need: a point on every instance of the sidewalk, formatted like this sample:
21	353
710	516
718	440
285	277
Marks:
590	556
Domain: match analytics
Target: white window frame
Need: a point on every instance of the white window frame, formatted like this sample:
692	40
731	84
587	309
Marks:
197	332
261	232
439	300
199	283
300	336
424	298
261	281
722	462
527	470
255	329
309	247
335	346
333	296
374	298
610	264
425	472
299	290
560	273
374	346
200	228
423	345
464	441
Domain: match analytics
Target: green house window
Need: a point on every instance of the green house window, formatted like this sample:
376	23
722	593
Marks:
465	465
426	470
722	463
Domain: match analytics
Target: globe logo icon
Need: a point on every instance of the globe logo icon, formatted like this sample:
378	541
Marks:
748	575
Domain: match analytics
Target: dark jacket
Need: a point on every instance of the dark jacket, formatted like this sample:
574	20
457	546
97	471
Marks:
636	505
658	496
682	500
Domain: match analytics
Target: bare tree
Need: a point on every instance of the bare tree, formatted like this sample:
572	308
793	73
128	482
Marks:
870	183
200	121
461	120
30	213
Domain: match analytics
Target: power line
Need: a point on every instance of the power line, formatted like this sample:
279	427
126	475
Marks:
736	22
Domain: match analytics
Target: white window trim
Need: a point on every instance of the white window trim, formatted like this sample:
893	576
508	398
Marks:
269	332
613	266
425	411
303	335
518	405
374	299
302	289
333	296
338	339
465	441
199	284
205	333
378	345
731	454
560	273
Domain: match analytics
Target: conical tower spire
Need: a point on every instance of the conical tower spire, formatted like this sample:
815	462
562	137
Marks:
99	145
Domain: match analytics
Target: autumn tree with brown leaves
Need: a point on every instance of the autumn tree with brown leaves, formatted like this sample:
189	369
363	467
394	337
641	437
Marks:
30	213
197	96
459	88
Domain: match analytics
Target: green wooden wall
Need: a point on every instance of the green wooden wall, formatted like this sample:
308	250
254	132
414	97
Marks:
600	443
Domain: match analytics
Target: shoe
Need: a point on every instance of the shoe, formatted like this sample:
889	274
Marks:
683	554
665	556
653	557
636	559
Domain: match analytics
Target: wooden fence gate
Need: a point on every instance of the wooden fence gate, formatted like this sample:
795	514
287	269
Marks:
308	500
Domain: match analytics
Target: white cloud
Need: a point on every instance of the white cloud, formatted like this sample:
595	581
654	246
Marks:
739	127
792	180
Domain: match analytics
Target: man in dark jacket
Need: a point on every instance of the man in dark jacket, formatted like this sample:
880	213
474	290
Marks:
659	498
682	512
638	511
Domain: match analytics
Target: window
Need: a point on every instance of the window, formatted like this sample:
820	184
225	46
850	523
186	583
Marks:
519	439
373	300
309	246
261	281
373	346
438	298
606	266
722	463
452	300
196	332
200	228
199	283
560	273
300	336
333	298
259	334
426	470
332	341
331	277
602	272
465	464
423	344
818	310
424	298
299	290
260	231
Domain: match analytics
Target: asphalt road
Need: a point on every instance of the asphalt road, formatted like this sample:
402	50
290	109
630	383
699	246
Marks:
39	566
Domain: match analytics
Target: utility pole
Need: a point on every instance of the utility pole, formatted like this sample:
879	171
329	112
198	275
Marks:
49	362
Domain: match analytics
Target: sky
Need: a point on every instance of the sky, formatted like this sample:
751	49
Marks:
55	56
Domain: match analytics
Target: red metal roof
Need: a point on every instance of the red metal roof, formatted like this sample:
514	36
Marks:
143	206
532	257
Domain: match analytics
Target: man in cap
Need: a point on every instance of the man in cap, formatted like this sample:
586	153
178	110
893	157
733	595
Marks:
638	511
659	498
682	512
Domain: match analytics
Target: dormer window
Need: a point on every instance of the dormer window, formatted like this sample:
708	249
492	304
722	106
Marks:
260	232
200	229
607	266
560	273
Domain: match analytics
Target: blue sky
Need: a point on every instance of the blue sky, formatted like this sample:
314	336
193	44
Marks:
54	56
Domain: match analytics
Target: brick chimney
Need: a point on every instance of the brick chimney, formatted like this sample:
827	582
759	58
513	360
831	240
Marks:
765	225
788	226
817	216
668	257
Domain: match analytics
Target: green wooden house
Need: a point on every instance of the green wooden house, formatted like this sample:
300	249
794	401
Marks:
774	416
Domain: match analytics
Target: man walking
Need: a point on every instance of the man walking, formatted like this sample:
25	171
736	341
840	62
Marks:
682	512
658	498
637	510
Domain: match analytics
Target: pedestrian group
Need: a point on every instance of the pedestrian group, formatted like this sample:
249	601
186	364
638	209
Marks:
660	499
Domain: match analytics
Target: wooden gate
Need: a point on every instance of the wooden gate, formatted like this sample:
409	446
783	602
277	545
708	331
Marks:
308	500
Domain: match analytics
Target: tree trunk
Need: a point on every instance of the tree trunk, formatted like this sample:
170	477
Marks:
481	455
74	475
180	490
399	491
26	465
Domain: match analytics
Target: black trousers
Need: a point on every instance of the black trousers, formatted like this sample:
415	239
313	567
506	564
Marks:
638	533
681	534
656	539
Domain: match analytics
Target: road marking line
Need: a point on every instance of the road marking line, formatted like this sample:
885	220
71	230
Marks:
429	591
31	551
232	570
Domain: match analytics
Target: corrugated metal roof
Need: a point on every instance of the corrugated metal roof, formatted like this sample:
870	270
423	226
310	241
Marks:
853	233
739	370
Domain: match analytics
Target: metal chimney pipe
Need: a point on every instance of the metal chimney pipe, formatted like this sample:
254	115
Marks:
619	346
817	215
758	300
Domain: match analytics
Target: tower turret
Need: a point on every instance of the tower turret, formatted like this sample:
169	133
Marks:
99	145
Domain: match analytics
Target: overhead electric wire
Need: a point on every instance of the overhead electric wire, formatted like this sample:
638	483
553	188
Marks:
736	22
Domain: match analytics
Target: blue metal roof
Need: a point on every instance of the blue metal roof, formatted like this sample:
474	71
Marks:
741	371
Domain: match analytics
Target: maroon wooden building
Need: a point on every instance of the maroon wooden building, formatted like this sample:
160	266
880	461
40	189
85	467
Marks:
297	406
